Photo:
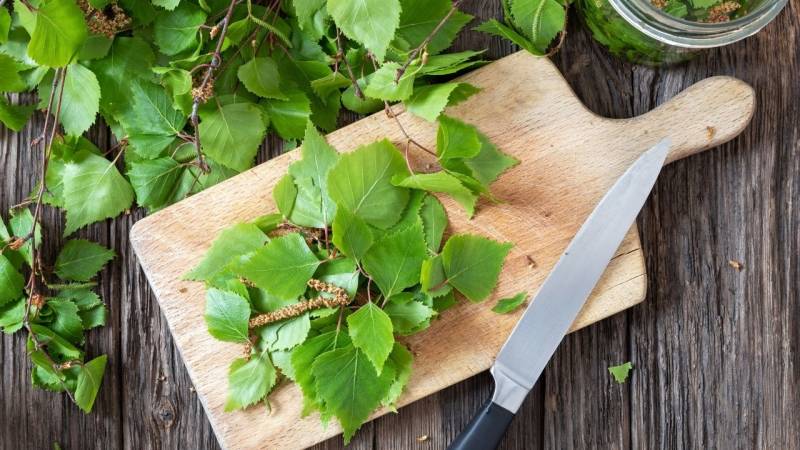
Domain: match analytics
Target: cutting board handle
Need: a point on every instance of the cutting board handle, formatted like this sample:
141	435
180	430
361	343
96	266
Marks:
708	113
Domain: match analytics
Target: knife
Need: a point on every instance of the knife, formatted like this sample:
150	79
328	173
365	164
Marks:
559	300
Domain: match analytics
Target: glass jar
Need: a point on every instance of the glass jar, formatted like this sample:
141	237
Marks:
644	34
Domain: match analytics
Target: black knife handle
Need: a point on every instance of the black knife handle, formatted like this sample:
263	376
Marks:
486	429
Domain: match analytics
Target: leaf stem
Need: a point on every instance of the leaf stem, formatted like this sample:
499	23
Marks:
341	54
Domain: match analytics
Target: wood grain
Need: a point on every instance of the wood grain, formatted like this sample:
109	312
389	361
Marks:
569	158
715	350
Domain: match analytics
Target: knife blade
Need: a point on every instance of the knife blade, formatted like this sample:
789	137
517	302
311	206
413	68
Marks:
559	300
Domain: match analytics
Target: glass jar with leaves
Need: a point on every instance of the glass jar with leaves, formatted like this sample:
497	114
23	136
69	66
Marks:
659	32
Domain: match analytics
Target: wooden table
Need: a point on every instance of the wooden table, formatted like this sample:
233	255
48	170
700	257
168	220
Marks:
716	350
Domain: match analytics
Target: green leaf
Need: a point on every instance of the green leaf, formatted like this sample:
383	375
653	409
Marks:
456	139
11	81
289	117
230	244
420	17
286	334
260	76
490	162
154	122
313	206
11	281
89	380
93	190
166	4
361	183
285	194
21	225
472	264
351	235
282	267
540	20
429	101
80	100
176	31
155	181
249	381
303	358
394	262
93	317
382	84
227	315
408	315
128	61
371	332
231	134
348	384
11	315
434	222
5	25
441	182
67	322
432	277
450	63
80	260
370	22
59	33
402	360
341	272
364	106
510	304
14	117
492	26
621	372
55	343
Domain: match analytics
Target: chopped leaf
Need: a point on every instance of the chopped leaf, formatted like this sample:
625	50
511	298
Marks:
434	222
80	260
89	380
370	22
429	102
346	381
394	262
231	243
59	33
361	182
510	304
231	134
371	332
93	190
282	267
227	315
249	381
472	264
260	76
621	372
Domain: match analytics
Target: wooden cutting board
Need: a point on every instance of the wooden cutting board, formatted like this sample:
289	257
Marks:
569	158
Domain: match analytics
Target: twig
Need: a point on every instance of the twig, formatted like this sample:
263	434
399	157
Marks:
413	55
391	114
562	35
208	77
343	56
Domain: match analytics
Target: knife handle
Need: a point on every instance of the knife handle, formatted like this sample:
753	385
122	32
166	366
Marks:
486	429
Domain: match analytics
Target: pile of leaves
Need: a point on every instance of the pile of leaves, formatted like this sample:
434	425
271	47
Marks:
320	293
189	89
